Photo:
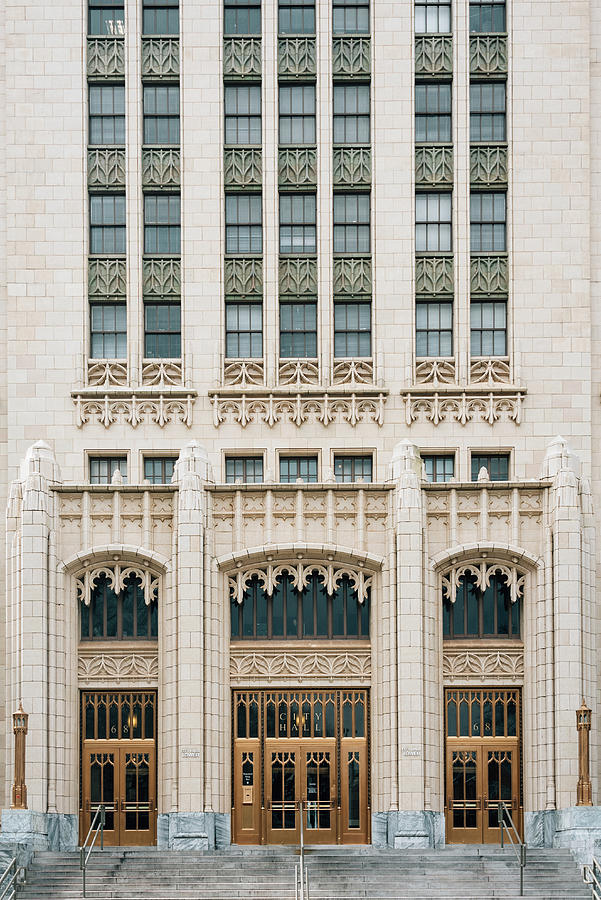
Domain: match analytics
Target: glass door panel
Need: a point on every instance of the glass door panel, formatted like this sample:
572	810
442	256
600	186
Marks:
319	794
247	792
137	797
100	785
464	802
281	783
353	790
500	784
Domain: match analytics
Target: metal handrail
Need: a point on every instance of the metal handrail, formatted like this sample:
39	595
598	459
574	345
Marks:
517	845
10	876
83	856
301	876
592	876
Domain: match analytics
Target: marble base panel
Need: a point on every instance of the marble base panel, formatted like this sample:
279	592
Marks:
193	831
577	828
39	831
403	829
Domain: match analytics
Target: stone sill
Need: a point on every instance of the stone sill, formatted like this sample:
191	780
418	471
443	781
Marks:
93	648
305	391
222	488
104	488
489	485
475	390
337	646
146	391
474	643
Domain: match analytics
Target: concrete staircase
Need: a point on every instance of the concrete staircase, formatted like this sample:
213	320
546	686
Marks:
267	873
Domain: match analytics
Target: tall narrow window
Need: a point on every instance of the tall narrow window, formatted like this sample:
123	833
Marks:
162	228
487	111
434	332
294	467
432	113
123	616
242	17
296	16
298	330
107	223
351	114
162	335
243	114
161	114
432	16
297	223
478	613
487	16
243	223
350	16
102	468
488	328
108	331
160	17
433	222
351	223
107	115
297	114
352	329
487	222
243	330
106	17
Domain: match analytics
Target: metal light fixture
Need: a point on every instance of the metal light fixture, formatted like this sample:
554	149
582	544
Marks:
19	792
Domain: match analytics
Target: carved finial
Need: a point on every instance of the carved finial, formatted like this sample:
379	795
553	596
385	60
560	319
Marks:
117	477
483	474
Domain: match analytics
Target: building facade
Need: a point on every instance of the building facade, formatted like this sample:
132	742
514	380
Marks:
300	296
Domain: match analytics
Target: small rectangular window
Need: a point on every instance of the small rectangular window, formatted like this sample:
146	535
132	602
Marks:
243	330
244	469
102	468
297	223
433	222
353	468
351	223
295	468
242	17
108	331
243	114
487	222
296	16
297	114
298	330
243	223
352	329
162	331
487	111
160	17
434	329
350	16
161	114
162	230
487	16
497	465
106	17
159	469
432	16
107	115
107	223
439	467
351	114
433	113
488	326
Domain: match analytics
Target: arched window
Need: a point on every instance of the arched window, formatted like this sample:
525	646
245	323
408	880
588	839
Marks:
293	614
482	613
122	616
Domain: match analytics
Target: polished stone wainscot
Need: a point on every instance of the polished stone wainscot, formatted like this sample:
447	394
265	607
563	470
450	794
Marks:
39	831
405	829
577	828
193	831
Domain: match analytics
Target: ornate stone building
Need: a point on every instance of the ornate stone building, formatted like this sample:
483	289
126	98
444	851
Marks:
299	296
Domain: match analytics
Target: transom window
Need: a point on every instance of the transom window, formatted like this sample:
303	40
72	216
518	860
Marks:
487	111
439	467
351	223
243	114
243	330
488	328
433	222
106	17
351	114
162	229
298	330
294	614
432	16
160	17
243	223
497	465
107	114
488	222
352	329
162	331
353	468
246	469
296	16
107	223
350	16
294	467
432	113
103	467
297	114
242	17
487	16
159	469
434	329
482	613
161	114
108	331
121	617
298	223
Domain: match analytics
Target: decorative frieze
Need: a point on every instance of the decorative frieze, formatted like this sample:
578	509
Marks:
353	371
161	168
488	55
116	576
160	57
133	408
117	668
107	278
489	665
243	276
490	370
297	167
298	276
298	666
243	372
489	275
161	277
482	572
296	409
488	165
351	56
242	57
434	55
352	166
435	371
434	275
106	58
242	168
107	372
298	372
106	168
329	575
434	165
463	406
161	372
296	57
352	275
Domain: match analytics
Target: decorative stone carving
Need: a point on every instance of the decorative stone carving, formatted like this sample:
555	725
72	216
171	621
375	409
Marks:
296	56
242	167
243	276
490	371
106	57
116	575
117	666
352	166
106	168
161	277
353	371
242	57
107	372
488	165
352	275
482	572
434	275
488	55
107	278
434	55
434	165
297	167
297	666
298	408
435	371
131	408
489	275
160	57
351	56
298	371
243	372
463	407
161	372
329	575
457	665
298	276
161	168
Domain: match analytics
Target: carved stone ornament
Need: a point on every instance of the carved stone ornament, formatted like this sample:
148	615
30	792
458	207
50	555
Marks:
107	277
160	57
298	276
270	575
298	666
162	372
130	408
243	372
161	168
298	371
489	275
434	55
107	372
243	276
121	667
434	275
434	165
488	55
297	167
106	168
352	166
241	57
242	167
490	371
243	409
352	275
161	277
505	665
106	57
483	572
435	371
116	575
463	407
488	165
296	56
353	371
351	56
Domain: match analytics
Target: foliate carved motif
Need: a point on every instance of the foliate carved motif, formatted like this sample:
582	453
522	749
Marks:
106	57
242	167
160	57
353	371
242	57
161	168
298	276
161	372
298	372
243	276
107	372
435	371
462	407
488	55
297	167
434	275
243	372
329	576
352	166
489	275
434	165
116	575
298	409
132	409
351	56
107	278
118	666
482	573
488	165
434	55
298	665
106	168
296	56
352	275
460	664
161	277
490	371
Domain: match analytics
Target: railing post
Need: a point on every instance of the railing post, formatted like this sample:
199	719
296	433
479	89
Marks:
522	867
102	821
500	820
